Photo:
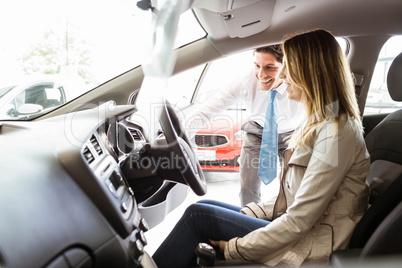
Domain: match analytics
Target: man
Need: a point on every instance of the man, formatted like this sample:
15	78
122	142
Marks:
254	89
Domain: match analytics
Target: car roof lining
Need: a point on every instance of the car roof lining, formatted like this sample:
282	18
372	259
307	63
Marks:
359	18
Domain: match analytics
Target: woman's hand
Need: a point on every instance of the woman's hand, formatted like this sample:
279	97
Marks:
221	244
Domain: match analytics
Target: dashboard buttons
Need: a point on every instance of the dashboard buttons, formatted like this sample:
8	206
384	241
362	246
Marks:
124	207
144	225
136	246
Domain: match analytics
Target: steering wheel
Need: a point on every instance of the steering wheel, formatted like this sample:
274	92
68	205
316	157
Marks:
180	144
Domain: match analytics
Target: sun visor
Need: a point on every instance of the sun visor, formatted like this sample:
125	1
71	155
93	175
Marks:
238	21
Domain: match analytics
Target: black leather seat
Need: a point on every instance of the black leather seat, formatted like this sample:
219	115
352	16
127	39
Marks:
379	210
384	144
386	240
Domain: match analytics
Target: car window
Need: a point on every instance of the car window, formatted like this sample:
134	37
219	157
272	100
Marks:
186	88
181	87
221	72
78	44
344	44
378	98
5	90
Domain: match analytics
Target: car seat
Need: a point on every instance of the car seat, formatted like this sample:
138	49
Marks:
385	179
386	240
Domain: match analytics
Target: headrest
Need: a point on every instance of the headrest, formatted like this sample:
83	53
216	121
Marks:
394	79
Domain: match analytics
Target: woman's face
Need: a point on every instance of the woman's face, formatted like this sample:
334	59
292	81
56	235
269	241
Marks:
294	92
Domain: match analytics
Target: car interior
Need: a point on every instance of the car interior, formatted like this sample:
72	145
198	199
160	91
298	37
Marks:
376	234
83	183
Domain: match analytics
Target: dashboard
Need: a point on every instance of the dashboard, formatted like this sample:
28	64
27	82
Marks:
72	192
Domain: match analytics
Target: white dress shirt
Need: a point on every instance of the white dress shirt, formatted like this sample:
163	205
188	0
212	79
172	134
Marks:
247	89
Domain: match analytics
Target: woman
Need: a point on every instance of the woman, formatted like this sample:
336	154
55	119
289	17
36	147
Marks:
323	191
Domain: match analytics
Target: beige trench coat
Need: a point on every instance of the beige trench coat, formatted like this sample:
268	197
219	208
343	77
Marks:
323	194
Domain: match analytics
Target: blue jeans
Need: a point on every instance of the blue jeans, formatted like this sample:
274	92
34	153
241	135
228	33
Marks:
201	221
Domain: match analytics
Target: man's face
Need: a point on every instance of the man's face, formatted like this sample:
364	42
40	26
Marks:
267	69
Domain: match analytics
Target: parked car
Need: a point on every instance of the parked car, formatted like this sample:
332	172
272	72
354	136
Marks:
218	144
82	182
25	99
30	99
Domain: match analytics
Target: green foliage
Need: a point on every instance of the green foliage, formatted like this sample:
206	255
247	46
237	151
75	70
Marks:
57	51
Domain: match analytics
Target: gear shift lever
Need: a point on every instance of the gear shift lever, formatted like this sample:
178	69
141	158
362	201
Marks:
205	255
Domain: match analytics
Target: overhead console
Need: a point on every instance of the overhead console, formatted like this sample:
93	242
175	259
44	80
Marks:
234	13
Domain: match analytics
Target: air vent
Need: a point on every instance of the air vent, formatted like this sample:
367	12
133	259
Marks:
208	141
88	155
137	135
96	145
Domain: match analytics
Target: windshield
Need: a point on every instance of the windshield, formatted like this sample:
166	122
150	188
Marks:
5	90
74	45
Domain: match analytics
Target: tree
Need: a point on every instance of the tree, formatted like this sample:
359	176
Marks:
59	50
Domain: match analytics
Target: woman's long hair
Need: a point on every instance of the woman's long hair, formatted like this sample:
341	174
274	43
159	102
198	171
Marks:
318	66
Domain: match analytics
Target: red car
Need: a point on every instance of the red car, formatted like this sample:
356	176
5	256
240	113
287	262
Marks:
219	144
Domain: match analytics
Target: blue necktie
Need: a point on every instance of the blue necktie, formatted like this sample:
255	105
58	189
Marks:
269	143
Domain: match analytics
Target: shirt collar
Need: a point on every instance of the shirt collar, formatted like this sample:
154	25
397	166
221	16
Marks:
281	89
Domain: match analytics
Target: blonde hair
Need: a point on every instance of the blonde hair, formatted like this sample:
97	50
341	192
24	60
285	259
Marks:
317	65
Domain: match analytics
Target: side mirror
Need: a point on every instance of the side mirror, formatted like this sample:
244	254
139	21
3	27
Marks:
29	108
